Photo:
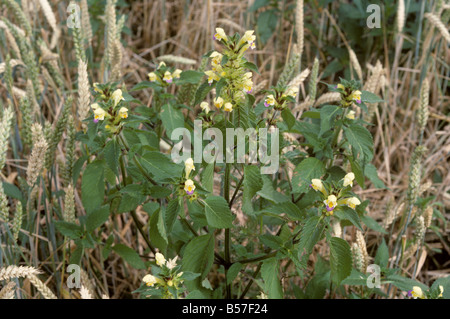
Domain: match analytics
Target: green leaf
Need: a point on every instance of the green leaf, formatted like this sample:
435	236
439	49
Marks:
218	213
340	259
268	192
171	118
266	24
199	255
382	256
77	254
208	177
307	170
369	97
70	230
173	209
252	184
233	271
269	273
344	212
308	235
158	235
219	85
12	191
361	141
129	255
92	186
160	166
372	224
403	283
371	172
287	207
145	85
112	153
201	93
357	170
311	115
327	115
190	76
288	117
97	218
251	67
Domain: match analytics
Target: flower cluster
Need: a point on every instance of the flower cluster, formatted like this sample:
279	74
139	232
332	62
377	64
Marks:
418	293
166	279
350	93
332	199
163	75
230	67
108	107
280	97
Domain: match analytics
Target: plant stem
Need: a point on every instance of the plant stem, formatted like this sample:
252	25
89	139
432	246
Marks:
227	230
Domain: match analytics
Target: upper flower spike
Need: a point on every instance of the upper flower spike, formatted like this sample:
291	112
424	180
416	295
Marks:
220	35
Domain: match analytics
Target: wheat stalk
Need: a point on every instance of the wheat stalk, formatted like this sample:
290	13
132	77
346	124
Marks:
401	15
41	287
17	272
84	94
439	25
7	291
299	26
5	131
355	63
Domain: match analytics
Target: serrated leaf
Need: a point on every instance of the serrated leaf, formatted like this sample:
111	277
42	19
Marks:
288	117
287	208
70	230
158	235
92	186
340	259
252	184
382	256
233	271
369	97
307	170
208	177
129	255
218	213
171	118
173	209
97	218
190	76
270	193
160	166
111	154
201	93
269	273
361	141
371	172
199	255
327	115
344	212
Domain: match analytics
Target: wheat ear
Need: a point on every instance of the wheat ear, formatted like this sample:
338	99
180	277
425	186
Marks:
41	287
439	25
7	291
17	272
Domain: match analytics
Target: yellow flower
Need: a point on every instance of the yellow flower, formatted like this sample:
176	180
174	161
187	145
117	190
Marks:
152	76
170	283
356	96
216	58
351	115
212	77
270	100
220	35
176	74
417	292
189	186
340	86
117	97
353	202
293	91
218	102
441	291
317	185
149	280
248	86
95	106
167	77
189	166
99	114
161	64
331	203
249	38
96	88
205	107
348	179
160	260
228	107
123	112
